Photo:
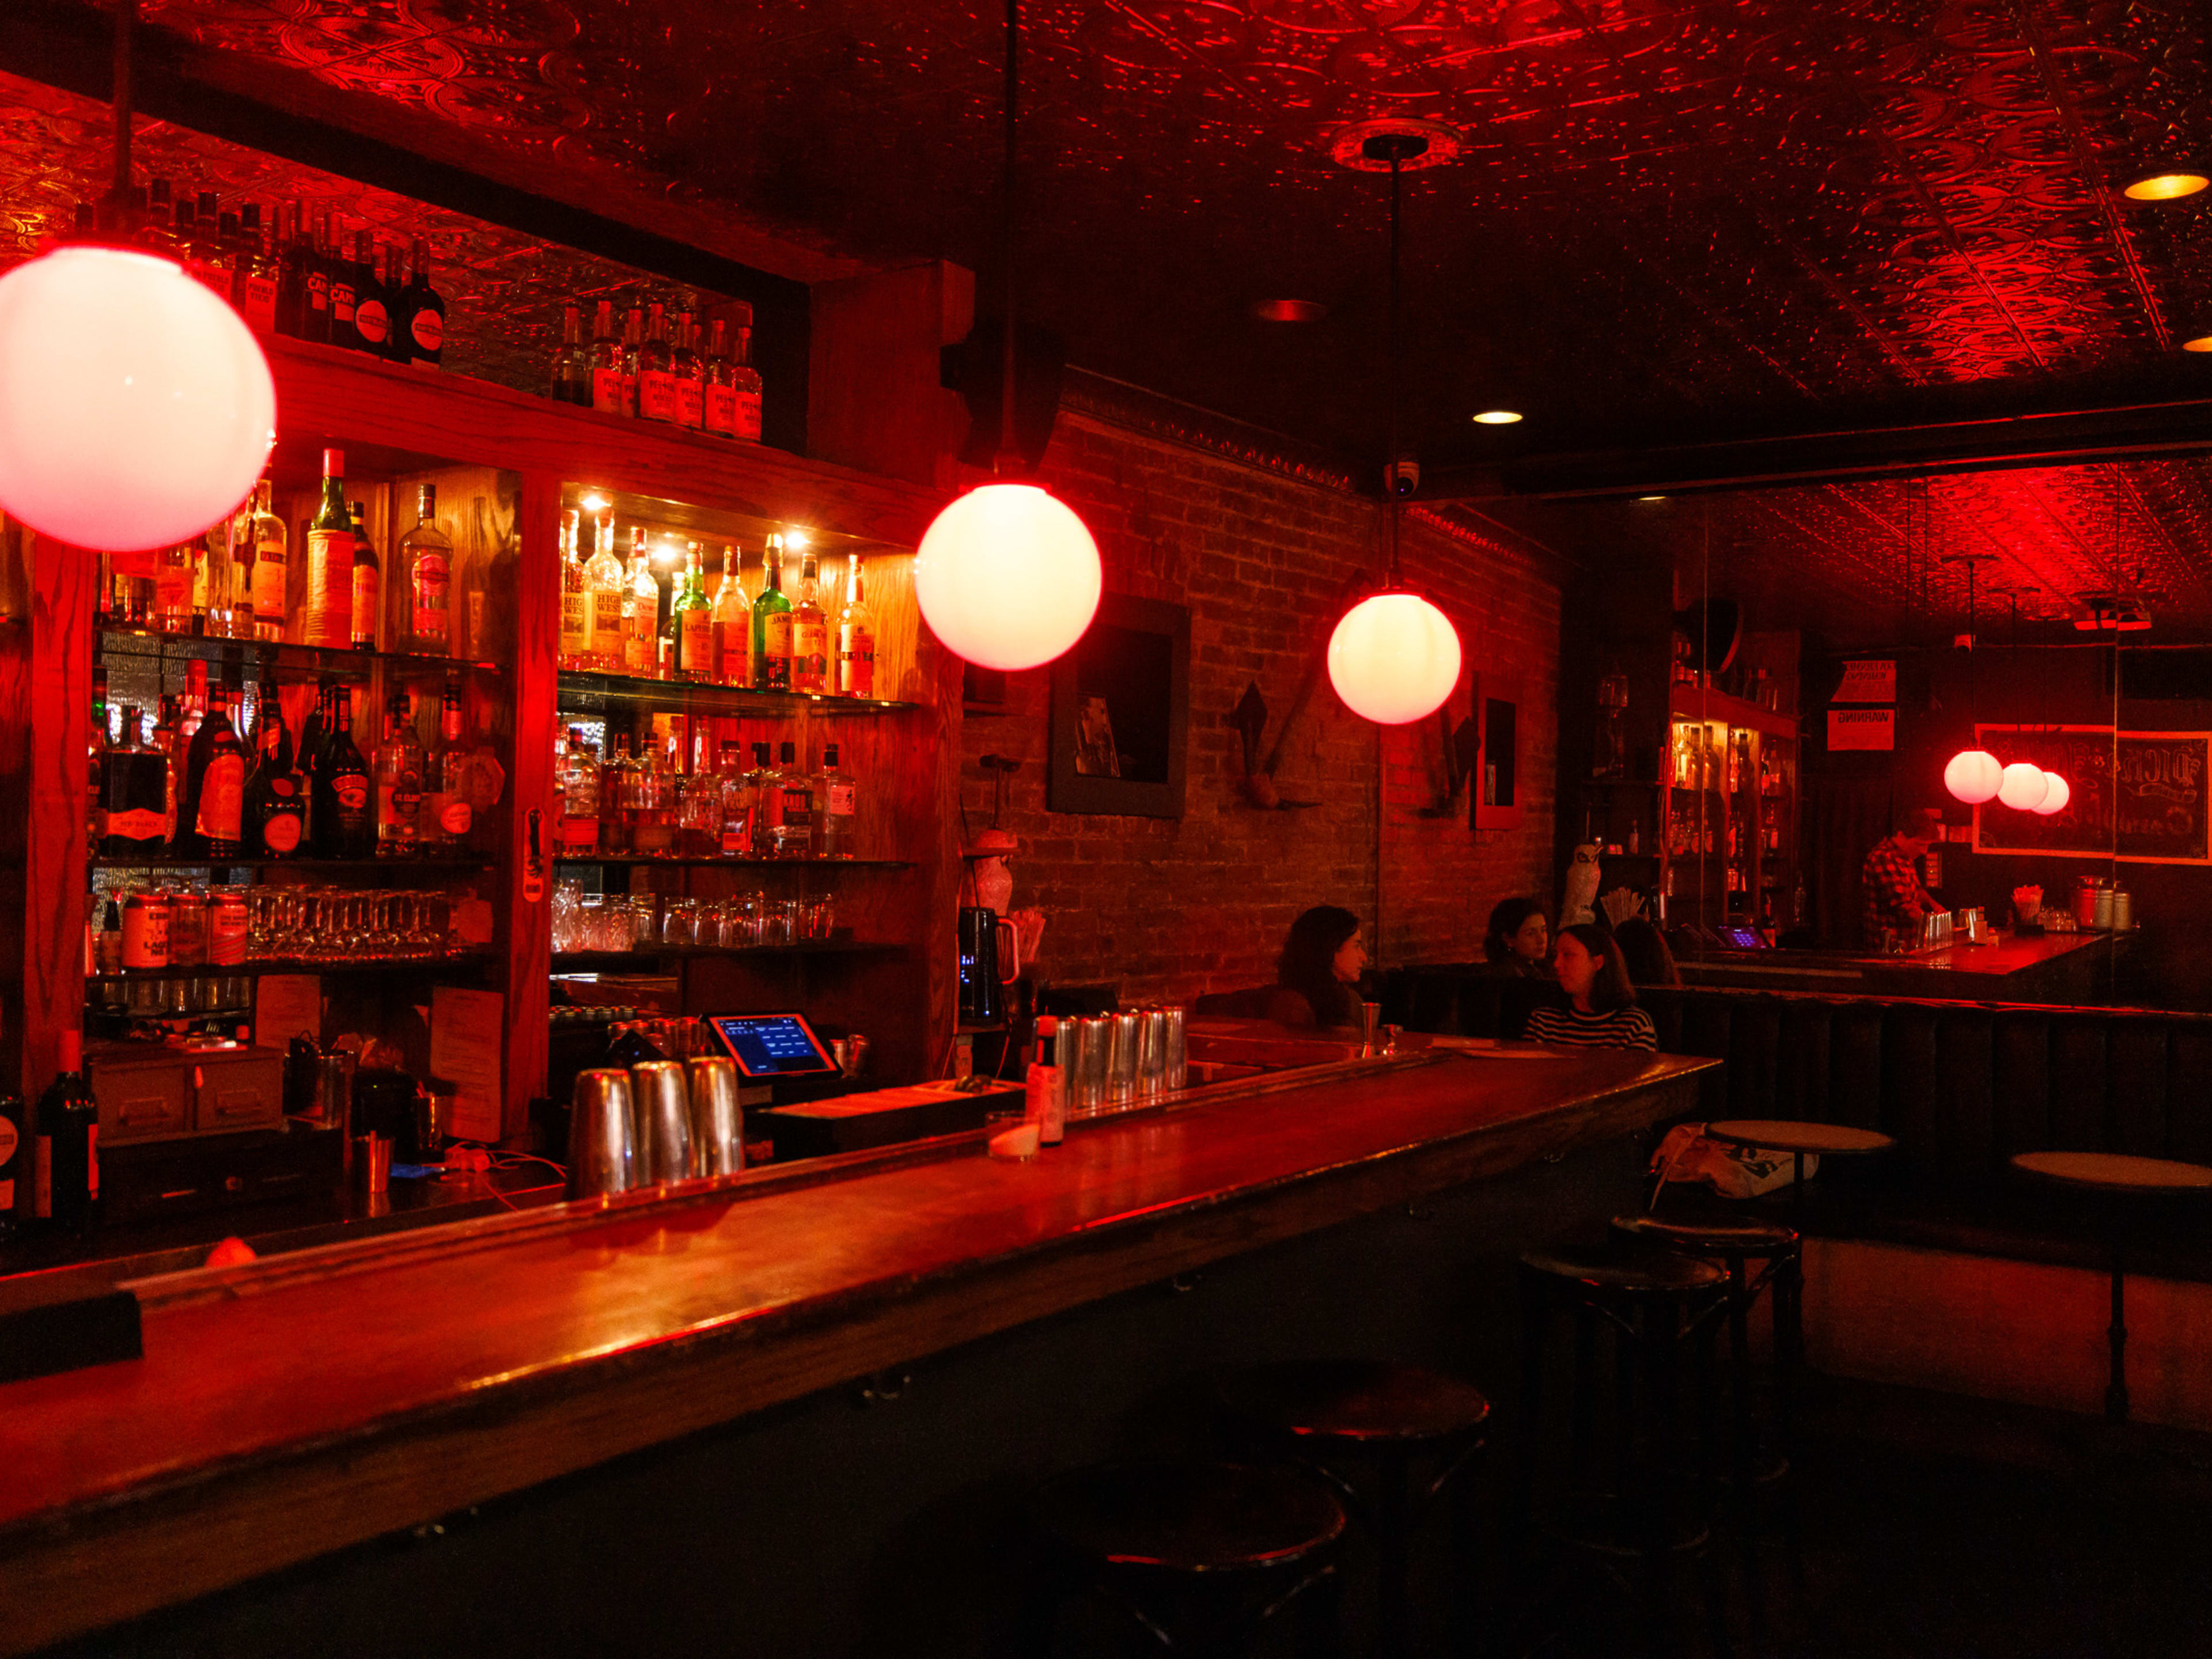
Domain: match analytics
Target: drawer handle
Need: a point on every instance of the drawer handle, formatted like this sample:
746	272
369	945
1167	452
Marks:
147	1109
238	1105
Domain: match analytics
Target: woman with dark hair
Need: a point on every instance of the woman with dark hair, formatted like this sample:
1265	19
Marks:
1601	1011
1519	943
1321	963
1643	949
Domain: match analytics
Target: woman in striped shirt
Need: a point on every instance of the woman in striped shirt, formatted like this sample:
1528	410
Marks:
1602	1010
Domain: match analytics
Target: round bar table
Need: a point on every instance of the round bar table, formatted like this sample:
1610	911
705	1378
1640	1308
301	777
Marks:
2117	1179
1799	1139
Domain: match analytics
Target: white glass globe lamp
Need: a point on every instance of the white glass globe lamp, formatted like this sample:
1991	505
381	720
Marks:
2056	793
2024	786
1394	659
1973	776
1007	577
136	408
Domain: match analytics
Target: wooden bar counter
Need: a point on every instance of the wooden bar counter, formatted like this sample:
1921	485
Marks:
307	1402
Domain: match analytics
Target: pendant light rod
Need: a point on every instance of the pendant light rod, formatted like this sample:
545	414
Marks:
118	194
999	461
1391	383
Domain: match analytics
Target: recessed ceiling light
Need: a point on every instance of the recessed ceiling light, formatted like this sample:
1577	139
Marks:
2202	342
592	501
1497	417
1650	498
1289	311
2165	186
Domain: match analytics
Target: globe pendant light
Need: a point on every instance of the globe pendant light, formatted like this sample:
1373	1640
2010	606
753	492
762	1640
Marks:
1395	657
136	408
1007	577
2023	785
2056	793
1972	775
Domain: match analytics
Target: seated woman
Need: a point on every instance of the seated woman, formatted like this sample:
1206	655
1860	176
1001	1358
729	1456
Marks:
1319	968
1643	949
1519	943
1601	1011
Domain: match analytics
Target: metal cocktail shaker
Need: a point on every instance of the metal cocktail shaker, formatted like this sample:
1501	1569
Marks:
1177	1061
663	1106
718	1138
1125	1056
602	1136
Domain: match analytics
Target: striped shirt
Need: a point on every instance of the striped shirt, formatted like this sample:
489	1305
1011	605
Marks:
1566	1028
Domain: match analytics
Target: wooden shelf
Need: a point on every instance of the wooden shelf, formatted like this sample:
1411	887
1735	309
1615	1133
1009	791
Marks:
591	961
292	965
297	660
1689	703
647	862
307	867
587	694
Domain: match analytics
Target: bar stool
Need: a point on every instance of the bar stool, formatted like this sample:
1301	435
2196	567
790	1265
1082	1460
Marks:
1735	1243
1198	1556
1389	1418
2117	1182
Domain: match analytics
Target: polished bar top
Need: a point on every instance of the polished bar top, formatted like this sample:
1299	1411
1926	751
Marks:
305	1401
2006	956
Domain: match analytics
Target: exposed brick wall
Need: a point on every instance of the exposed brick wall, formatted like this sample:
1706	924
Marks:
1172	908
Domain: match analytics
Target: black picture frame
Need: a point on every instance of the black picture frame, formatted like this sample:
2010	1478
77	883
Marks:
1124	690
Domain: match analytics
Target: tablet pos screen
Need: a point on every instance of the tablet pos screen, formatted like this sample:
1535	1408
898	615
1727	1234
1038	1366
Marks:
772	1045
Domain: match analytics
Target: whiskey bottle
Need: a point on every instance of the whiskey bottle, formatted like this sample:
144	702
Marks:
640	612
656	382
835	807
810	630
794	830
577	832
447	814
315	278
856	637
614	800
345	811
572	380
173	590
257	283
768	801
400	781
367	583
745	379
426	553
633	345
292	275
575	608
374	298
67	1179
737	801
219	810
268	574
733	626
275	810
327	618
419	330
690	373
134	787
695	625
606	591
347	275
772	643
607	361
717	391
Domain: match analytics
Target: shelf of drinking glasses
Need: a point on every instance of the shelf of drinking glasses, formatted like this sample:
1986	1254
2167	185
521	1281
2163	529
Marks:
647	860
305	867
350	963
321	661
585	961
587	694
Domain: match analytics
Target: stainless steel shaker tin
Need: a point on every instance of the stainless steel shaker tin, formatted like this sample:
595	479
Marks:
718	1138
602	1135
1124	1055
663	1107
1177	1058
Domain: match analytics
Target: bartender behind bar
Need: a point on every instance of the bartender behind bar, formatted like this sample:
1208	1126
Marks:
1895	899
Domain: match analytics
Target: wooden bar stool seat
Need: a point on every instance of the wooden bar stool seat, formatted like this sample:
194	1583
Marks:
2123	1186
1198	1555
1390	1418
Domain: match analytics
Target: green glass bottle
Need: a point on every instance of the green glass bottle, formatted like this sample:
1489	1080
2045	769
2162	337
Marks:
772	626
694	621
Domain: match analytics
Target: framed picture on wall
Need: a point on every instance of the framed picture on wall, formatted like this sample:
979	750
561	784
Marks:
1120	712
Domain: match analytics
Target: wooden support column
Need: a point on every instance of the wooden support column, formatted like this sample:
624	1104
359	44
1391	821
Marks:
526	926
874	397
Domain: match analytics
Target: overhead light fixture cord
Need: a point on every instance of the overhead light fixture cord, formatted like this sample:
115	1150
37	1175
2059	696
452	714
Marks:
119	195
999	466
1390	476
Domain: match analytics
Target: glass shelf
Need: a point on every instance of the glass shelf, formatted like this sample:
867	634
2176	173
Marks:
595	961
321	661
256	969
646	861
307	867
587	695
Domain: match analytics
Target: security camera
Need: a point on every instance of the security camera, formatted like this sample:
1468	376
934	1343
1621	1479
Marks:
1402	476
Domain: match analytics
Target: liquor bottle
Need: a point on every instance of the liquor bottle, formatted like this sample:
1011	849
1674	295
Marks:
835	806
856	637
641	612
212	252
326	617
794	830
810	630
292	274
184	240
718	392
745	379
651	806
733	626
493	570
426	554
606	361
768	801
772	626
688	371
134	791
633	346
219	791
656	382
173	590
15	1158
345	816
373	296
258	281
270	574
695	624
158	232
275	809
606	591
418	332
572	378
577	832
314	741
165	745
614	793
367	583
315	279
447	816
68	1156
347	276
736	796
400	781
96	749
575	608
188	755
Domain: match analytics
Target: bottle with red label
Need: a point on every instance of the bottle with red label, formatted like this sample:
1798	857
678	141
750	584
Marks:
276	797
220	800
398	781
367	583
67	1156
426	554
447	816
744	379
133	790
418	324
344	814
